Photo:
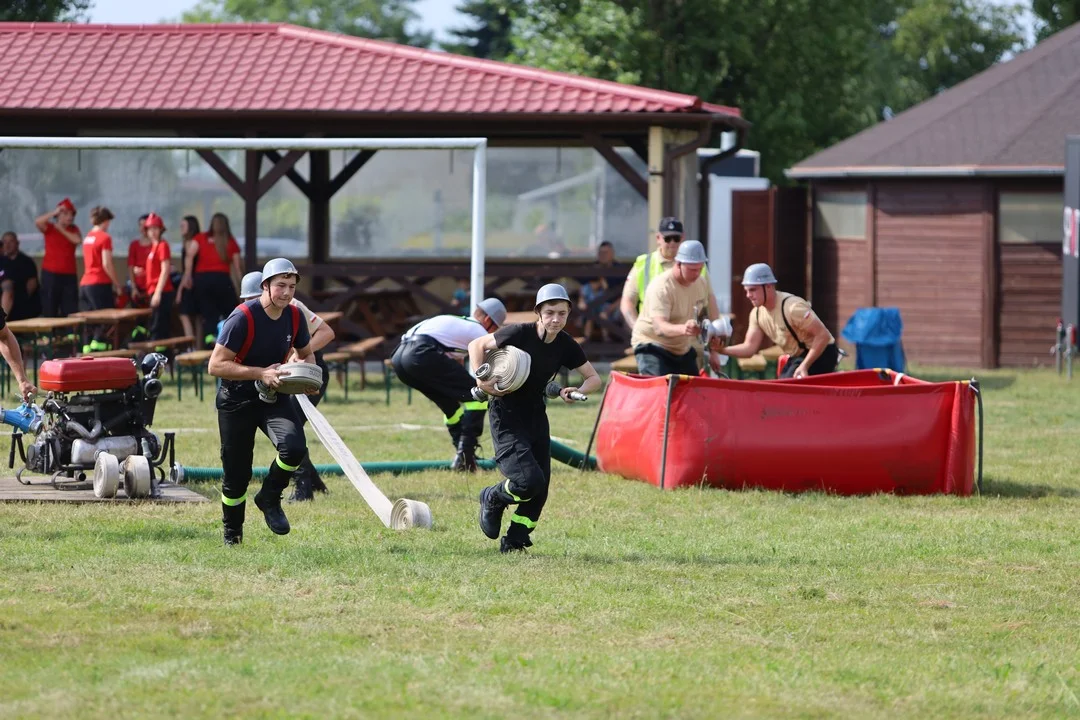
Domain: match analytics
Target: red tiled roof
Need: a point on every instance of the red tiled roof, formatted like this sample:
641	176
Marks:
273	67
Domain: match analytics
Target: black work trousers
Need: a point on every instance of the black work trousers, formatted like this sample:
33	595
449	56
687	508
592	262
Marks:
655	360
59	294
98	296
240	414
422	364
215	298
161	317
826	362
522	440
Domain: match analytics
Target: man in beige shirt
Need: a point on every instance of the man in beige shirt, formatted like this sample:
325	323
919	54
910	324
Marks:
668	323
788	321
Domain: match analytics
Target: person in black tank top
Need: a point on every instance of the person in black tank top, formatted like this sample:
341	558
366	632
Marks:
255	339
519	423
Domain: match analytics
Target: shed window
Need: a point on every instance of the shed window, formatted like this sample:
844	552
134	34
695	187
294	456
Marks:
840	215
1029	217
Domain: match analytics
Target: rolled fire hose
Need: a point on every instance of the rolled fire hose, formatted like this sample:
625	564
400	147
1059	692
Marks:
507	367
401	515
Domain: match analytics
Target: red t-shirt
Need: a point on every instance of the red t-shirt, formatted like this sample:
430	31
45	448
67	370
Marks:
137	254
93	245
59	252
158	254
208	260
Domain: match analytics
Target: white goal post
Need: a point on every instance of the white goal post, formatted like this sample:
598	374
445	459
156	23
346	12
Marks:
477	145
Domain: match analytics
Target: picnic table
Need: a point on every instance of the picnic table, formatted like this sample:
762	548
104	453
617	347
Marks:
120	322
43	331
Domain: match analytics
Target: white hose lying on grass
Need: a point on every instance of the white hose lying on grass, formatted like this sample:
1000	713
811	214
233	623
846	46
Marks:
401	515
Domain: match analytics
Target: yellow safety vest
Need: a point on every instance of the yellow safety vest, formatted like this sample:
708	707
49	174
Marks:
649	266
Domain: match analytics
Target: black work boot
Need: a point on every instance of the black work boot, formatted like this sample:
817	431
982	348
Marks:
465	460
303	488
232	518
506	545
492	505
272	512
318	485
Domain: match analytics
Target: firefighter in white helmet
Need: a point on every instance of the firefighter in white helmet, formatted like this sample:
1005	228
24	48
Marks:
428	359
255	340
519	422
788	321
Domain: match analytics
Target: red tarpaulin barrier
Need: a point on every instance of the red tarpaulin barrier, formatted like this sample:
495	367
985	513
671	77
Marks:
848	433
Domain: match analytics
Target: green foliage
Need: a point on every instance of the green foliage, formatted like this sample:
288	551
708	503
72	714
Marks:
44	10
806	73
1054	15
488	32
379	19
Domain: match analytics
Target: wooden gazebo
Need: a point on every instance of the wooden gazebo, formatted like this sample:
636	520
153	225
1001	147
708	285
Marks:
271	80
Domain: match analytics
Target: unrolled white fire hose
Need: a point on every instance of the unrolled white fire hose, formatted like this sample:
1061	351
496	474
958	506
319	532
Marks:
401	515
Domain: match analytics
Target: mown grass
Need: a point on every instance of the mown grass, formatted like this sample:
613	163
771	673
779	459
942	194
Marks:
633	603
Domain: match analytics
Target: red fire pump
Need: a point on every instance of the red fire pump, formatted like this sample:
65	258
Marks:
94	419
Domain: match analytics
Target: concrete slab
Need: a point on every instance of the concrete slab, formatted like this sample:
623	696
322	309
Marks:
11	490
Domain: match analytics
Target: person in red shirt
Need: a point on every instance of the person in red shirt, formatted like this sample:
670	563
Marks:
99	285
212	267
59	285
136	260
158	282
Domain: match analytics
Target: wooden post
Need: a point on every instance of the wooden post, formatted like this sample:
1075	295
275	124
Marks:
319	212
252	161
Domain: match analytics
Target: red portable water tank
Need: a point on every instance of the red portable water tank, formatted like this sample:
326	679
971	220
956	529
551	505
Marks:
88	373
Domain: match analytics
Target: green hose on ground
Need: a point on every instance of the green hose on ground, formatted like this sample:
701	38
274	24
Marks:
560	452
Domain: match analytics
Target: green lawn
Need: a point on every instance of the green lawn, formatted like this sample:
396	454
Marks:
633	602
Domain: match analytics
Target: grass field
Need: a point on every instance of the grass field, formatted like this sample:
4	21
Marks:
633	602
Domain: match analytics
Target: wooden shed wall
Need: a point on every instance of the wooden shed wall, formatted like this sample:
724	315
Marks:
930	254
1029	299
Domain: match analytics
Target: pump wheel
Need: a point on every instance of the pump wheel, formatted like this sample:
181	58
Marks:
106	475
137	476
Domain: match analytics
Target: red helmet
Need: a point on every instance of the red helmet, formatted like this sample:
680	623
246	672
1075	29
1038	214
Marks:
154	220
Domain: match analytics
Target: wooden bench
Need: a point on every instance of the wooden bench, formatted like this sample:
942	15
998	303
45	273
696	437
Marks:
339	359
196	361
131	354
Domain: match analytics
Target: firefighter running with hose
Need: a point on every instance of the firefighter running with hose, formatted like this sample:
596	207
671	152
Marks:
306	481
256	338
519	422
423	362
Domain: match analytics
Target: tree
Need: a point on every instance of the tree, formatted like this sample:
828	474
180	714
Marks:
488	35
378	19
1054	15
44	10
806	73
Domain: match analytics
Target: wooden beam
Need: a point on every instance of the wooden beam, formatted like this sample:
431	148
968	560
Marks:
319	212
640	148
252	162
353	167
616	161
224	171
280	169
296	178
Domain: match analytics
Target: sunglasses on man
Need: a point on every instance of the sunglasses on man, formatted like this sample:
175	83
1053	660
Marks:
672	238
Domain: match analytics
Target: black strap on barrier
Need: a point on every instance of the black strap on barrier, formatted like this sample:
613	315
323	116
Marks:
673	380
978	402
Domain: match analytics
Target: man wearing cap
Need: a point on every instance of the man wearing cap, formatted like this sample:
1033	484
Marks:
59	284
669	320
649	266
788	321
519	423
255	340
429	359
306	480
